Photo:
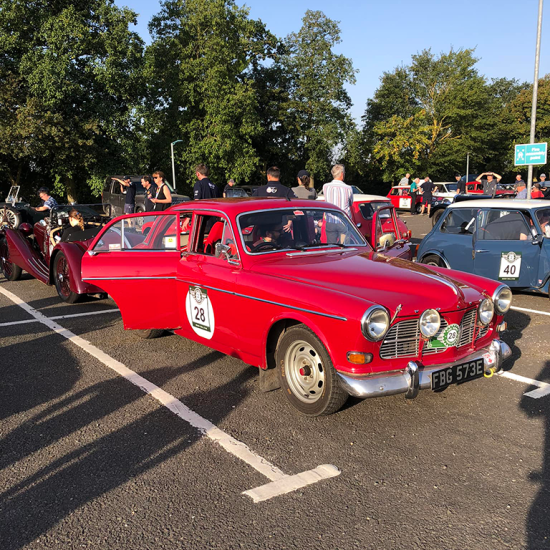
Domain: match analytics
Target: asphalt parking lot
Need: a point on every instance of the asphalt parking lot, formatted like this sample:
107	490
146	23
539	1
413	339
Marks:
110	441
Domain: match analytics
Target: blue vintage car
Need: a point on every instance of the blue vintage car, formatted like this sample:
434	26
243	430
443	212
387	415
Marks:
504	239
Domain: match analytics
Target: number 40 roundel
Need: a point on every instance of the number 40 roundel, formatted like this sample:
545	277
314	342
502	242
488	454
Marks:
199	312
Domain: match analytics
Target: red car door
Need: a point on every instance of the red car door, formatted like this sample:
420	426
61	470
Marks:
135	261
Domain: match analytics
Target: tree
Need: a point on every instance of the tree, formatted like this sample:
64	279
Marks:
201	90
318	105
69	79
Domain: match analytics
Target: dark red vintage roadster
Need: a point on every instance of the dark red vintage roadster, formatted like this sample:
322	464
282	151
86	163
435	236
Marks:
39	250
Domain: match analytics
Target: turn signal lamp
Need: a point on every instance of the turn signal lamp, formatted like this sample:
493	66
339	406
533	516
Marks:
359	358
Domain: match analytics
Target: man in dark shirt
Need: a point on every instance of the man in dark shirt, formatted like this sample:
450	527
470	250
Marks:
274	188
204	188
150	192
427	190
131	189
461	184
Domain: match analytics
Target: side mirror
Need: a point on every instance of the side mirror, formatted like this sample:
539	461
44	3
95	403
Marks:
222	251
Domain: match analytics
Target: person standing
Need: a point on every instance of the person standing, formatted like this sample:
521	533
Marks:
427	190
204	188
48	202
150	192
490	186
230	184
405	180
521	190
273	187
303	190
163	198
415	187
130	192
519	180
460	185
337	192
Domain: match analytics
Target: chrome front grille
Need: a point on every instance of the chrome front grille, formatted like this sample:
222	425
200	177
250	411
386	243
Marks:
467	327
402	340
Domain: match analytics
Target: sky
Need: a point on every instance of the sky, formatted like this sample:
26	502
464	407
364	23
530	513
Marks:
379	36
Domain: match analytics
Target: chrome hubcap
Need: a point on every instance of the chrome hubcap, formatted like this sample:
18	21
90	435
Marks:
305	371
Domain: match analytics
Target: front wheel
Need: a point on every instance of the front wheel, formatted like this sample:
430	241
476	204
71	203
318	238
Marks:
436	217
150	333
11	271
418	207
62	278
306	373
434	260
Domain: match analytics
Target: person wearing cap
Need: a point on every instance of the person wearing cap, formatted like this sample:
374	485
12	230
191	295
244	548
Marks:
490	186
48	202
521	190
303	190
230	184
128	189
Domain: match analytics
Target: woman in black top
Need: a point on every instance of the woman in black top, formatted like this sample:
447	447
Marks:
163	197
76	225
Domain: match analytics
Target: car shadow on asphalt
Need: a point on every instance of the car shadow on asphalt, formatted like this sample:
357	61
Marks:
538	526
517	322
66	442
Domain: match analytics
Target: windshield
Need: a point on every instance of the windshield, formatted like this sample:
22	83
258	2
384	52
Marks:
356	190
292	229
87	210
543	217
369	208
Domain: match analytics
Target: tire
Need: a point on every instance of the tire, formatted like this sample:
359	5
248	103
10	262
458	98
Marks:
436	217
11	271
316	391
149	334
62	279
433	259
10	217
418	208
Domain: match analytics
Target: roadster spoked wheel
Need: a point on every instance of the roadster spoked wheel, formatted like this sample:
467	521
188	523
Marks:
62	278
11	271
306	373
10	218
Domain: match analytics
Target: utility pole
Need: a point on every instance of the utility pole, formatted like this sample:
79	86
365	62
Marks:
535	93
467	167
173	167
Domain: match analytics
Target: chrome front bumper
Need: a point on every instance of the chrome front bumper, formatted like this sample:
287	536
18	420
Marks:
416	377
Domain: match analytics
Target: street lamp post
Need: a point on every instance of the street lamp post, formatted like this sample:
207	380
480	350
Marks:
173	167
534	104
467	166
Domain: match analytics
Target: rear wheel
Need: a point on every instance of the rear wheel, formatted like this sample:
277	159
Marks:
436	217
62	278
434	260
149	334
418	207
11	271
306	373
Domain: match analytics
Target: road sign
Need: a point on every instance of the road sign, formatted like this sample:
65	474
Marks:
530	153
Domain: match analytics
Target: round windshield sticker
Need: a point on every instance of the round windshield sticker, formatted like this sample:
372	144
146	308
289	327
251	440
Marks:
199	312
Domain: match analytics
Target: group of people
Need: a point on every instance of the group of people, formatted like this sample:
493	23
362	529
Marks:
424	187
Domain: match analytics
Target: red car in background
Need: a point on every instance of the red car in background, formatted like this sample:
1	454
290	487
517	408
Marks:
40	251
504	190
400	197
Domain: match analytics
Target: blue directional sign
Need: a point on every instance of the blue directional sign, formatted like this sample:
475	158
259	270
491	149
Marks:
530	153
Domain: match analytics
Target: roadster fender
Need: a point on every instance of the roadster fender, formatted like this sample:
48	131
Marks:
23	255
73	252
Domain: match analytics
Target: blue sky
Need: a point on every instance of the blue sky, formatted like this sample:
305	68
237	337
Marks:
378	36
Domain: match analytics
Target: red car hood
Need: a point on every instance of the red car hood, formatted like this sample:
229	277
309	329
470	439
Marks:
377	279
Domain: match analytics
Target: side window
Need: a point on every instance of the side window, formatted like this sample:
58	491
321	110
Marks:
152	233
209	233
460	221
228	249
115	188
394	192
383	239
186	229
503	225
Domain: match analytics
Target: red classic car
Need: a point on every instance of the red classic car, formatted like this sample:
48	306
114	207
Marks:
504	190
40	251
401	198
388	231
292	287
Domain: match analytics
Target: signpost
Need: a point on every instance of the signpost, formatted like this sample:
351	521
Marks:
531	153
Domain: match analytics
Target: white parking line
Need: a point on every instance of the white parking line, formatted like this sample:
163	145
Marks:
543	387
530	310
60	317
281	483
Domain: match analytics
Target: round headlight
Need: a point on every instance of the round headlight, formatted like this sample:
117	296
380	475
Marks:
375	323
485	311
502	298
430	321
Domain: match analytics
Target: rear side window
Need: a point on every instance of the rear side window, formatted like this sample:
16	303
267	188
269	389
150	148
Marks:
503	225
459	221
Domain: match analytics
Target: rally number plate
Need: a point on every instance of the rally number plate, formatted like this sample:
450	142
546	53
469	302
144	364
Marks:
457	374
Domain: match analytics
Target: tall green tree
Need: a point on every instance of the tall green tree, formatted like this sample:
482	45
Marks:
69	81
201	90
318	108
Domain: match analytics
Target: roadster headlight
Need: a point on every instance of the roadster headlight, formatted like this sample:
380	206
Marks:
375	323
502	298
485	311
430	321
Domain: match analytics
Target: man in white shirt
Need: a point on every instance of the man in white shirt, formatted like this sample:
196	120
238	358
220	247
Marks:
337	192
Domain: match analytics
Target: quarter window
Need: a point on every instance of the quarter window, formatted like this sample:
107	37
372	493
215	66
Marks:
460	221
503	225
